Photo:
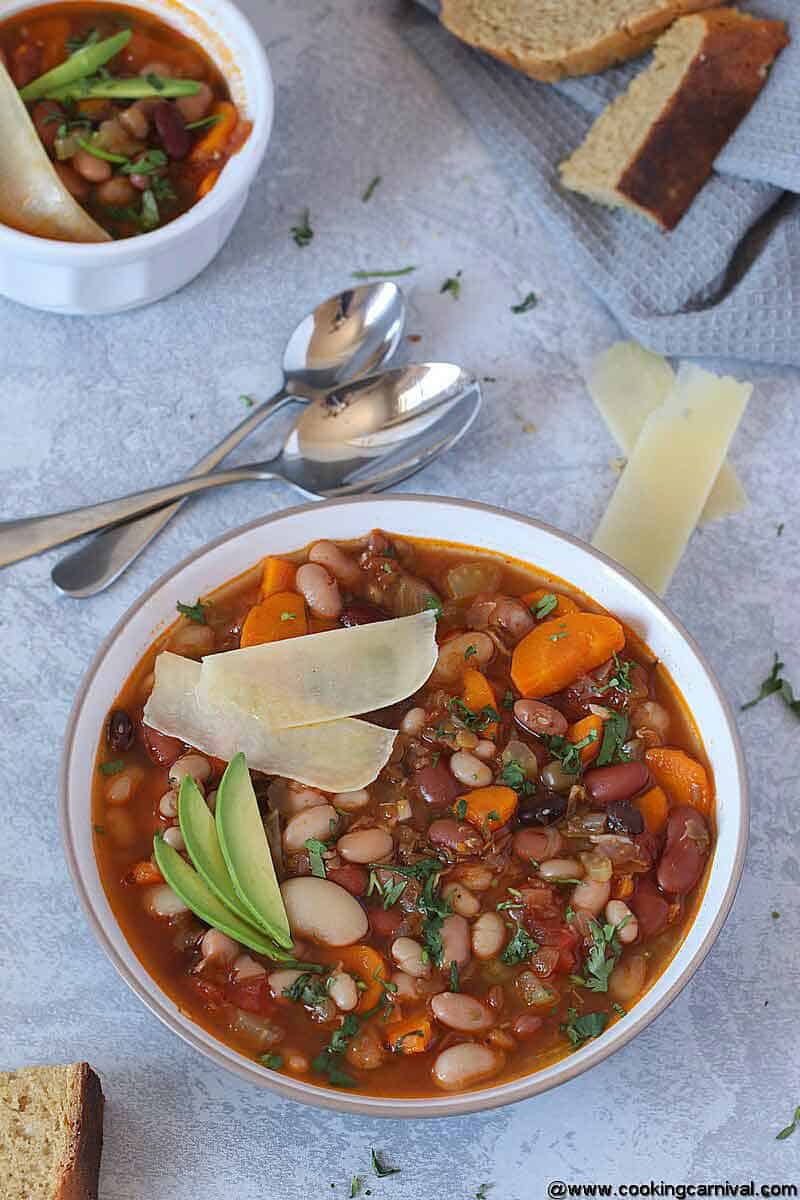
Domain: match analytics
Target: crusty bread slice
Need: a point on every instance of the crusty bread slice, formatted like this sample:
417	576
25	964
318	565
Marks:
51	1133
548	39
654	147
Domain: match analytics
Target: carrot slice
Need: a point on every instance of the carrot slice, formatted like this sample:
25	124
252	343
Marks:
479	694
621	887
583	729
488	807
144	872
212	144
277	575
279	617
368	966
683	778
207	183
559	651
563	603
410	1036
654	807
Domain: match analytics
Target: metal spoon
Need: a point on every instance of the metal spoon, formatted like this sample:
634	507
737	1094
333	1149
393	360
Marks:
363	437
344	338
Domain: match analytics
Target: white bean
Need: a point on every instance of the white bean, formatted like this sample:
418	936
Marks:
475	876
413	722
627	979
298	1064
168	804
459	1011
406	986
451	661
488	935
455	941
365	845
469	770
163	902
320	591
173	837
591	894
343	991
465	1065
351	801
322	911
316	823
461	899
408	955
194	765
617	911
218	947
246	967
340	564
122	786
561	868
485	750
296	801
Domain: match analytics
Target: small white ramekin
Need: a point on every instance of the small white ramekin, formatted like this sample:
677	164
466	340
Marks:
109	277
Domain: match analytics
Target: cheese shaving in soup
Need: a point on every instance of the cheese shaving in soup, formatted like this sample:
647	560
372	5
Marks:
335	674
337	756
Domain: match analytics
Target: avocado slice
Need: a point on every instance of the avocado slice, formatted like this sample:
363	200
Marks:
200	835
187	884
246	851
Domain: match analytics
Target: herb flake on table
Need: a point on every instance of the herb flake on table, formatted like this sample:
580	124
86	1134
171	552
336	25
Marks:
195	612
379	1166
379	274
302	233
452	285
530	301
776	683
369	191
355	1186
780	529
790	1128
247	401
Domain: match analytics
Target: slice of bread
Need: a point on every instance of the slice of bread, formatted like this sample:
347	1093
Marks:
654	147
548	39
51	1133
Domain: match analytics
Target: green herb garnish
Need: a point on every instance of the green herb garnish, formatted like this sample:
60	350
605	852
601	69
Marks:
461	809
80	41
615	734
468	653
273	1061
452	285
147	164
383	274
195	612
433	604
112	768
581	1029
621	679
513	776
530	301
380	1168
99	829
99	152
508	699
288	616
790	1128
302	233
618	1009
455	985
569	753
316	849
149	217
542	608
474	721
307	990
520	948
602	957
370	188
776	683
205	122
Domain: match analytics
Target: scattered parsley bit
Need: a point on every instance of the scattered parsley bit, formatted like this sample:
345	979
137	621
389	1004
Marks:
273	1061
569	913
516	900
81	41
520	948
556	637
775	914
602	957
508	699
780	529
530	301
149	216
483	1192
542	608
461	809
380	1168
452	285
437	754
470	650
195	612
474	721
433	604
146	164
247	401
316	849
393	892
621	679
370	188
455	985
355	1186
581	1029
513	776
618	1009
569	753
307	990
302	233
205	122
112	768
615	734
288	616
776	683
99	829
412	1033
789	1130
383	274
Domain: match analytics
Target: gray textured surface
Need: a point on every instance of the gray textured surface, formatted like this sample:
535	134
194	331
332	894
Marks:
92	407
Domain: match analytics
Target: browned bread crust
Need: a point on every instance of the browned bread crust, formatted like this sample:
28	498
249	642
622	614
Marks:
627	40
717	92
81	1173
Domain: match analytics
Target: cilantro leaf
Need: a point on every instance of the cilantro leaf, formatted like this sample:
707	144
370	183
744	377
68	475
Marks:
530	301
543	607
380	1168
581	1029
433	604
195	612
302	233
520	948
370	188
790	1128
316	849
621	679
615	734
452	285
273	1061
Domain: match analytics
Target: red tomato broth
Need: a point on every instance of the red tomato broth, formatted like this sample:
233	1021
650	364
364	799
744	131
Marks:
34	41
167	947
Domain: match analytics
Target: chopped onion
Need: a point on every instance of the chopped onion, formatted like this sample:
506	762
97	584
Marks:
597	866
586	824
517	751
469	579
535	993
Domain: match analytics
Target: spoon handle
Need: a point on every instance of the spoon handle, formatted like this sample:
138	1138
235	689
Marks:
31	535
95	565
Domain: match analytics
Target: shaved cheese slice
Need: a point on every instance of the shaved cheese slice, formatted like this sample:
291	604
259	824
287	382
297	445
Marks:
627	383
339	756
670	473
324	676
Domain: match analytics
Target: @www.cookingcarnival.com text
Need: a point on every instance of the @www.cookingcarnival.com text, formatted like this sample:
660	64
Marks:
558	1189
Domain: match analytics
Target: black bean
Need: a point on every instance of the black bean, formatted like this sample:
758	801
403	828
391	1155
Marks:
172	132
542	808
622	817
120	730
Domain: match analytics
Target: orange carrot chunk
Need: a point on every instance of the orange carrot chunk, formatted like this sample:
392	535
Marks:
278	617
410	1036
654	807
559	651
479	694
212	144
277	575
368	967
207	183
683	778
489	807
584	729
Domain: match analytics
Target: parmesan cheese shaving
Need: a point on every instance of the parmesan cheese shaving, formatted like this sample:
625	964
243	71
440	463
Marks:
627	383
670	473
324	676
338	756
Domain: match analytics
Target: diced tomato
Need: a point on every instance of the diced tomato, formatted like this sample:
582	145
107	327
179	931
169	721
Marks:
212	994
250	993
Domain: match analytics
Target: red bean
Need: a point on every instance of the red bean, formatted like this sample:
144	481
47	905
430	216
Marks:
171	130
437	786
606	785
685	852
72	181
162	749
537	844
458	838
385	922
26	63
650	907
352	878
526	1026
361	614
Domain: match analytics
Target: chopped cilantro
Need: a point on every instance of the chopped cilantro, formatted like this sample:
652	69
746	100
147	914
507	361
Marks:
780	529
790	1128
516	900
149	216
618	1009
615	734
355	1186
380	1168
195	612
307	990
148	163
461	809
437	754
776	683
520	948
434	604
455	985
470	650
81	41
542	608
273	1061
513	776
604	952
316	849
328	1059
99	829
288	616
621	679
383	274
530	301
370	188
581	1029
569	753
474	721
205	122
247	401
302	233
556	637
452	285
393	892
112	768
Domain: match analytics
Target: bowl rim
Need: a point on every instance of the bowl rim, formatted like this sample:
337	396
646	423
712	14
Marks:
450	1104
235	174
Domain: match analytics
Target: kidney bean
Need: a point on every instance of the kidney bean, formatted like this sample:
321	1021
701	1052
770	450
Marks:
360	614
171	129
162	749
93	169
539	845
194	108
620	782
622	817
526	1026
320	591
120	733
72	181
456	942
650	908
385	922
458	838
685	851
540	718
437	786
116	192
352	878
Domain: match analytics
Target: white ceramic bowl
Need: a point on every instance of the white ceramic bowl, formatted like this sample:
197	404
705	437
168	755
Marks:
452	520
90	280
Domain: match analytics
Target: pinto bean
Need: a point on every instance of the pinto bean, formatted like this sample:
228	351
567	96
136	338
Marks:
365	846
410	957
627	979
290	800
168	805
591	894
91	168
413	722
556	869
537	844
526	1026
194	108
469	770
459	1011
194	765
171	130
353	879
351	801
618	913
623	781
465	1065
650	908
310	823
320	591
365	1051
456	945
135	122
451	662
685	851
338	563
488	935
437	786
453	836
116	192
406	986
75	184
461	899
540	718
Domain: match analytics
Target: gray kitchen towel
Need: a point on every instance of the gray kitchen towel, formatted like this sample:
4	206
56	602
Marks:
726	282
